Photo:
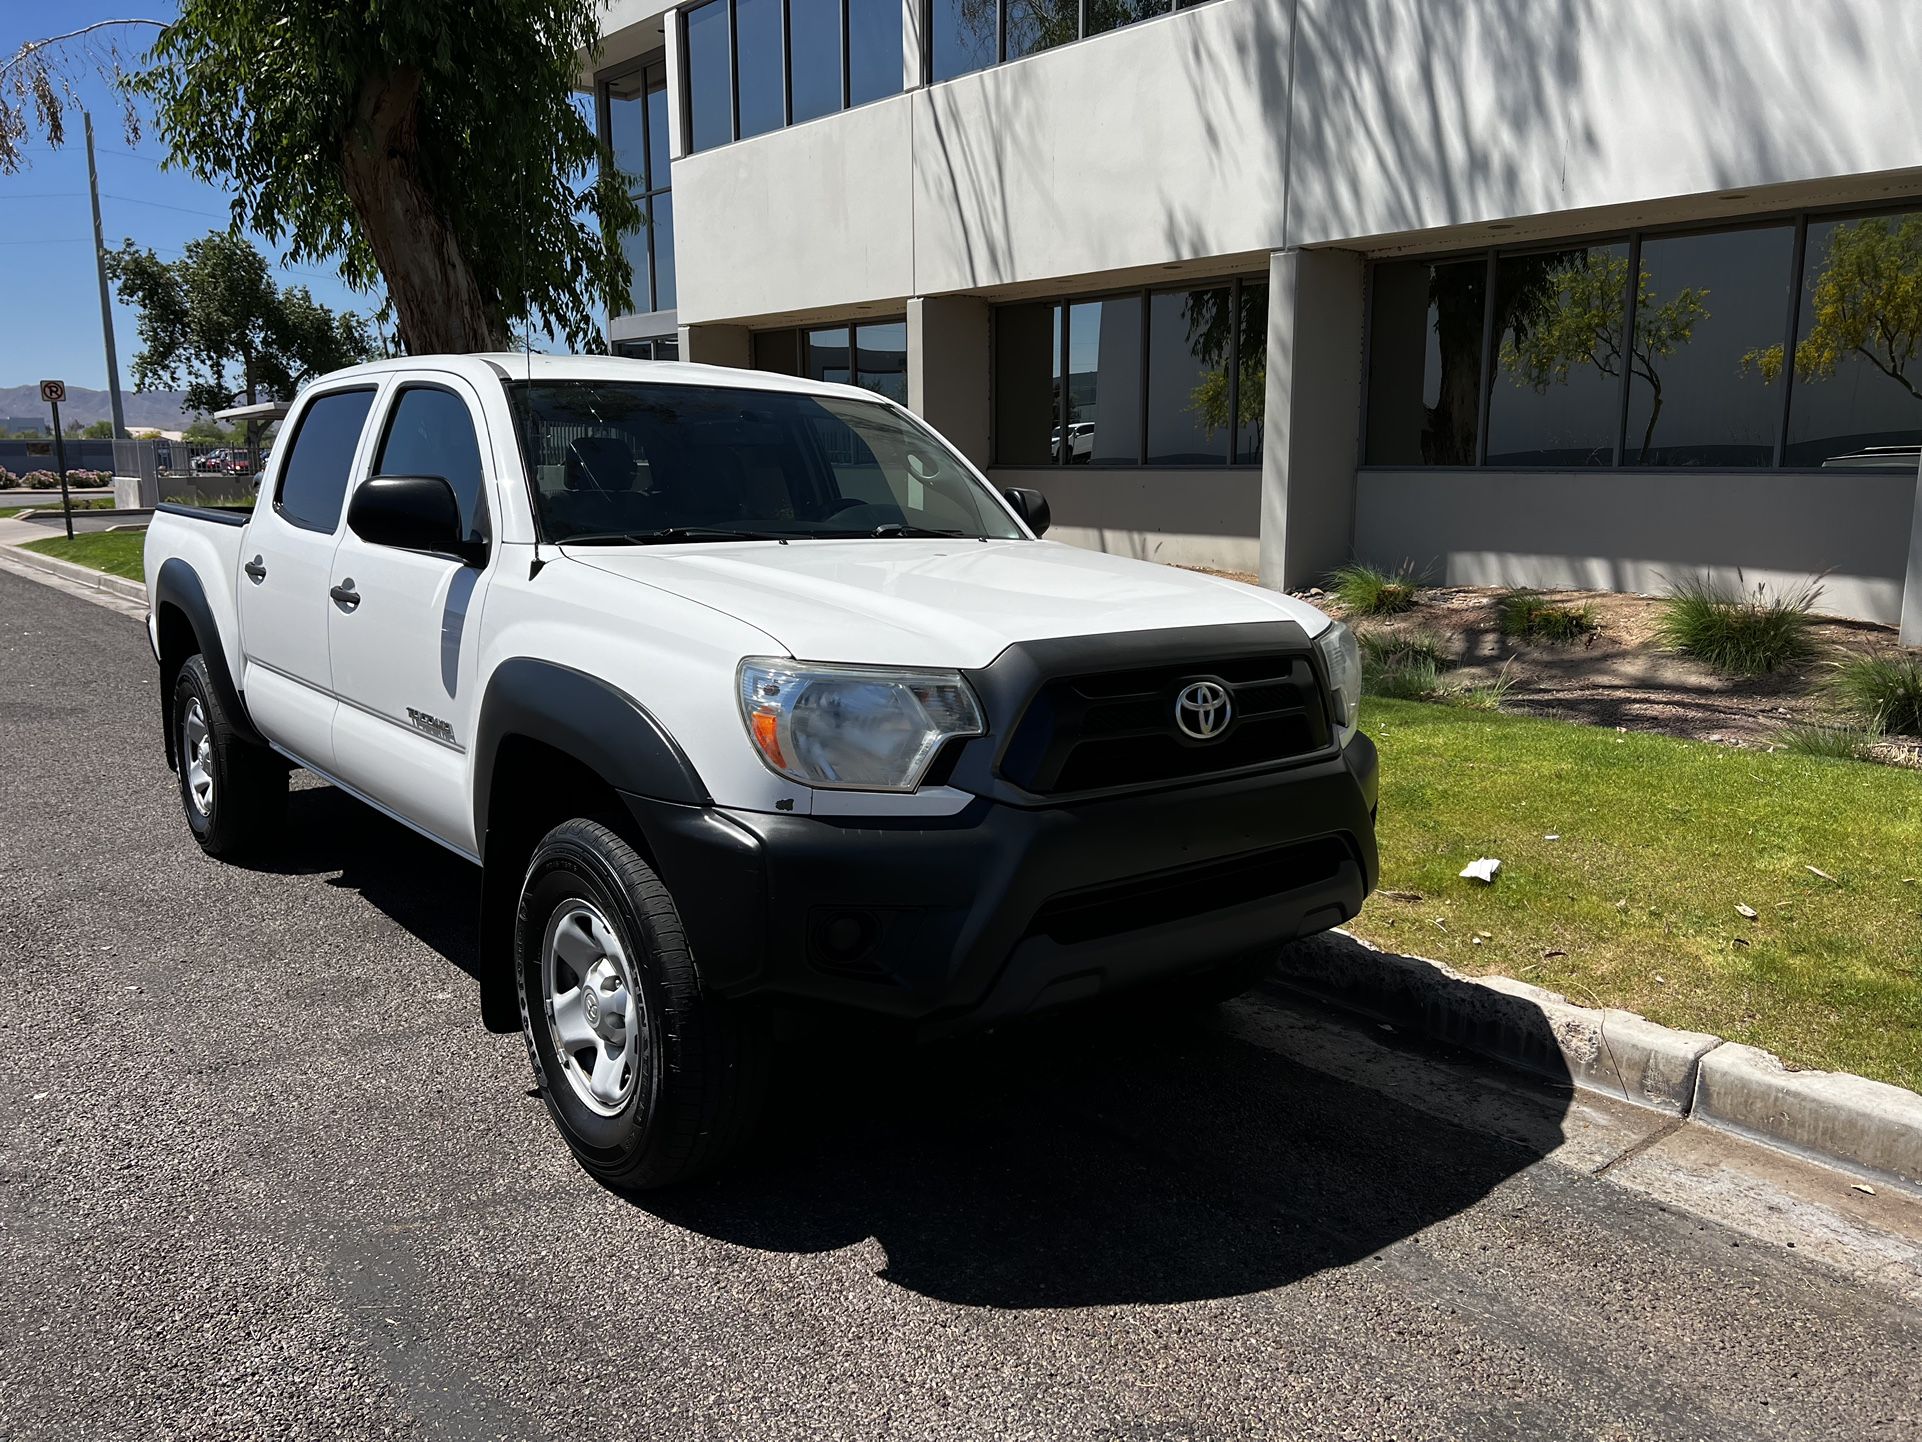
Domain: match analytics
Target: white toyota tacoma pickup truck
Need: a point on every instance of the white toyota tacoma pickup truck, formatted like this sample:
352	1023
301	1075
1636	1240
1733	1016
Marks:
747	691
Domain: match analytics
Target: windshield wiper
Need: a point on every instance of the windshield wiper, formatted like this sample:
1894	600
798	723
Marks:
902	528
666	535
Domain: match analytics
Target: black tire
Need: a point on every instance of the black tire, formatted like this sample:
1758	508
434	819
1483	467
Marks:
699	1064
246	804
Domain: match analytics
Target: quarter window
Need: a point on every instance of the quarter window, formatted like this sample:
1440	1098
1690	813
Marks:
431	433
314	478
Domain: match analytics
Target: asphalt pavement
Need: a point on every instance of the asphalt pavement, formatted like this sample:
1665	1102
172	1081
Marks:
264	1174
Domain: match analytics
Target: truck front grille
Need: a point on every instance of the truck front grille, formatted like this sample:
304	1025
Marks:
1118	728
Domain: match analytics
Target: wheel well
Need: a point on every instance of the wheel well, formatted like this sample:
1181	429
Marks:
177	640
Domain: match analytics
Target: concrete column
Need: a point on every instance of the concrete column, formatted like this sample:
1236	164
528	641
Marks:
1912	583
718	345
1313	420
948	369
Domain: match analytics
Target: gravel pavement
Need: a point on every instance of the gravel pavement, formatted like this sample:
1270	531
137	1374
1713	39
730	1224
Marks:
263	1174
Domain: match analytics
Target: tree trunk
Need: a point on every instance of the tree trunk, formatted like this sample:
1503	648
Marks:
439	305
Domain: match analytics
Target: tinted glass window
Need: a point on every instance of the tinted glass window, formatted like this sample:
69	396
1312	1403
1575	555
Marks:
1704	303
1189	345
661	208
757	38
635	246
627	128
431	433
1251	399
1041	24
961	37
1424	362
814	57
1110	14
1858	374
1104	381
1556	396
778	351
881	359
628	458
657	172
314	478
827	355
874	49
1027	383
709	93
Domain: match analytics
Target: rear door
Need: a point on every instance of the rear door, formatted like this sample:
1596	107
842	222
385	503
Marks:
285	572
404	653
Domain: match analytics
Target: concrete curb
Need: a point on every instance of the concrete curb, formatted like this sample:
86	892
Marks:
1844	1120
79	575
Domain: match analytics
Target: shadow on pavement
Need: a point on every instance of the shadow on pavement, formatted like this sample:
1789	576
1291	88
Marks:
1133	1154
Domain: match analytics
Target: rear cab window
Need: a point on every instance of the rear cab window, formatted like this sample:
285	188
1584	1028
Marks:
313	478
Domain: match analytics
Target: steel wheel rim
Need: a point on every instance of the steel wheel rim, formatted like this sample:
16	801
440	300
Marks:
593	1009
197	755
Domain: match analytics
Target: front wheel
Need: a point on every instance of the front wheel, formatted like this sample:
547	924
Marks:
650	1079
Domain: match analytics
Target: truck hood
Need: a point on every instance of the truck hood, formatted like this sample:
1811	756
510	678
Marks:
938	602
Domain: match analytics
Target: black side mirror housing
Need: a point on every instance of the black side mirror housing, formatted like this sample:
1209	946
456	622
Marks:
1031	506
413	513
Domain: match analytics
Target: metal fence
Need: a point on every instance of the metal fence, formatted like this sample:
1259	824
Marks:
190	471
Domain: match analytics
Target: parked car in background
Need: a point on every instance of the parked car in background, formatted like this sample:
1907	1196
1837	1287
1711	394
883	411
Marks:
749	692
214	460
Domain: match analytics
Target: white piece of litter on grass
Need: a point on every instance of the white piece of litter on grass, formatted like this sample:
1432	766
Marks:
1863	1187
1481	869
1742	908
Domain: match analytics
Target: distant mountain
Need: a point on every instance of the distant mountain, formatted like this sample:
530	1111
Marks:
149	410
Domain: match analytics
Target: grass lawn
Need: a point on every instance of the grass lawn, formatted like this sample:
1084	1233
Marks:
1635	905
115	552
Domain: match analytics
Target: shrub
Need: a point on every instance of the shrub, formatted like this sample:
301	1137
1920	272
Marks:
1886	691
1483	695
1530	616
8	480
1834	743
1413	678
1365	591
1743	633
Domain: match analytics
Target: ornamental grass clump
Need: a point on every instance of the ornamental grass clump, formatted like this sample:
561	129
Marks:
1738	631
1531	616
1365	590
1885	691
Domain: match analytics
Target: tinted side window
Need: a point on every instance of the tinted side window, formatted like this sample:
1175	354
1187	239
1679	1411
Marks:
314	478
431	433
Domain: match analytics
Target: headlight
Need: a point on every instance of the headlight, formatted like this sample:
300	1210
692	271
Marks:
1341	653
864	728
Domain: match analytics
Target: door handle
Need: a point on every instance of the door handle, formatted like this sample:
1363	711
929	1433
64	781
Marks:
345	596
256	571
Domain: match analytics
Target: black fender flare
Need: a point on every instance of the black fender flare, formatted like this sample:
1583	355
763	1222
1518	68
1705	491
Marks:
178	585
598	724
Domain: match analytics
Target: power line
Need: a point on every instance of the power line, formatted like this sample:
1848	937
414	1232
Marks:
162	205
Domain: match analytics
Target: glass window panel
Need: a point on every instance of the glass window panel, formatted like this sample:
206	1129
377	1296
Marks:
667	347
1027	383
634	349
634	246
1041	24
757	65
814	57
313	479
431	433
1190	341
709	102
1704	304
881	358
1424	362
1104	381
778	351
1251	400
1556	395
827	354
662	207
627	129
874	49
1857	399
961	36
657	133
1112	14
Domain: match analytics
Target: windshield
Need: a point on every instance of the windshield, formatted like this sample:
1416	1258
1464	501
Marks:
644	461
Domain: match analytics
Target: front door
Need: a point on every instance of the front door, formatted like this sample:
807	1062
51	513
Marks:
404	651
285	572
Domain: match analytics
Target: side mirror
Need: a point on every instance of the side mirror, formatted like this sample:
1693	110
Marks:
413	513
1031	506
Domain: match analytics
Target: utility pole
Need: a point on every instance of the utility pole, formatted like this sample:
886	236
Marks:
106	307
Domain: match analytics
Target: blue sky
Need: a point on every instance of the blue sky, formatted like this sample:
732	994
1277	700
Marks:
49	297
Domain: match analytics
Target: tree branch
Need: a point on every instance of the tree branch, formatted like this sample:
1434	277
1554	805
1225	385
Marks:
34	47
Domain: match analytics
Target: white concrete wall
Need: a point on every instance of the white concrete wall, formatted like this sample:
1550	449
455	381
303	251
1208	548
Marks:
1186	518
1632	531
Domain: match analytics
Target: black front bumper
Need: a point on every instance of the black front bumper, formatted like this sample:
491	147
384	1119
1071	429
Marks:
1002	909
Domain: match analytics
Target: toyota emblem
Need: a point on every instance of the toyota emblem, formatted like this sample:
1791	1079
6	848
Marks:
1202	710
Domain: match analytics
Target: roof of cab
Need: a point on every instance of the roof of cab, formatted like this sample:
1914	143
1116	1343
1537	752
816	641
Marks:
516	365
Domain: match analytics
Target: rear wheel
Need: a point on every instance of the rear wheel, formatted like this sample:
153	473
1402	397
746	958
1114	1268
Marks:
233	792
650	1079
